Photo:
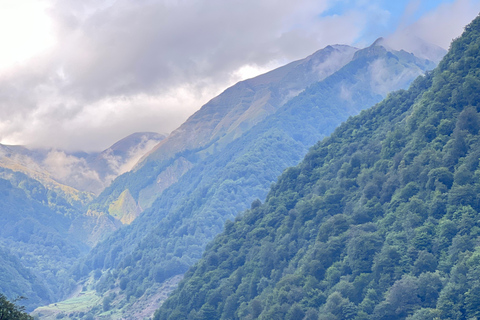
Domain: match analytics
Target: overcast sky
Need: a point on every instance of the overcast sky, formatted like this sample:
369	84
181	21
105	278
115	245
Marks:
80	75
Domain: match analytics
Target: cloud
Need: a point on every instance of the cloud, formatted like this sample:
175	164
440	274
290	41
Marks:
119	164
134	156
72	170
381	80
438	27
122	66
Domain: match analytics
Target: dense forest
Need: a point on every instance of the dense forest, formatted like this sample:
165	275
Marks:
379	221
171	235
35	245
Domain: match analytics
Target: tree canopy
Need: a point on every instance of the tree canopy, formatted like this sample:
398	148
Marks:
10	311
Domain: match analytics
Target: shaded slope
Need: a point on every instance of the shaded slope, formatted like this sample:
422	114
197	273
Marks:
16	281
380	220
35	223
170	236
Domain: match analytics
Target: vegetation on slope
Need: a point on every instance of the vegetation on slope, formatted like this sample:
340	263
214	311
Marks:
380	220
16	280
35	223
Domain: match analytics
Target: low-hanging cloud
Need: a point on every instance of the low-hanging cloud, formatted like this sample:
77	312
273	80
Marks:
438	28
123	66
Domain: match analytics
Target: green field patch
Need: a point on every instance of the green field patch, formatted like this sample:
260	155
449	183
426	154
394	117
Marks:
81	303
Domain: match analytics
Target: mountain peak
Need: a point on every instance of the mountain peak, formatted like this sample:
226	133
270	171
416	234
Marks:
379	42
125	144
413	44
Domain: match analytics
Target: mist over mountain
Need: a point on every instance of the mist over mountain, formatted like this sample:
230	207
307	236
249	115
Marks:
414	44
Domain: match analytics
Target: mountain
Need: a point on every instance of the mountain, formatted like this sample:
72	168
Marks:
410	43
94	172
219	122
16	281
123	155
379	221
198	189
78	175
30	162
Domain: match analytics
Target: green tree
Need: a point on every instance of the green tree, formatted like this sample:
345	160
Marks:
10	311
472	302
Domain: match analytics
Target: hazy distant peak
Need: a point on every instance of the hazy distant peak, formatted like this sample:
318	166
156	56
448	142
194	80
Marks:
321	55
413	44
379	42
125	144
375	50
343	47
90	172
382	43
382	46
331	49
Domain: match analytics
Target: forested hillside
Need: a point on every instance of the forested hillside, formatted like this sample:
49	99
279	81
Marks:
170	236
16	281
379	221
35	223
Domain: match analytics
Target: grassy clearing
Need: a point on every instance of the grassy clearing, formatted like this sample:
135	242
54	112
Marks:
73	307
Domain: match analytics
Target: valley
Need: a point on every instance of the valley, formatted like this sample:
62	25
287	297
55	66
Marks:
343	185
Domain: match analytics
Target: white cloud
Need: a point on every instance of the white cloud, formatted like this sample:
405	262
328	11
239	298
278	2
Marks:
116	67
25	31
124	66
438	27
72	170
